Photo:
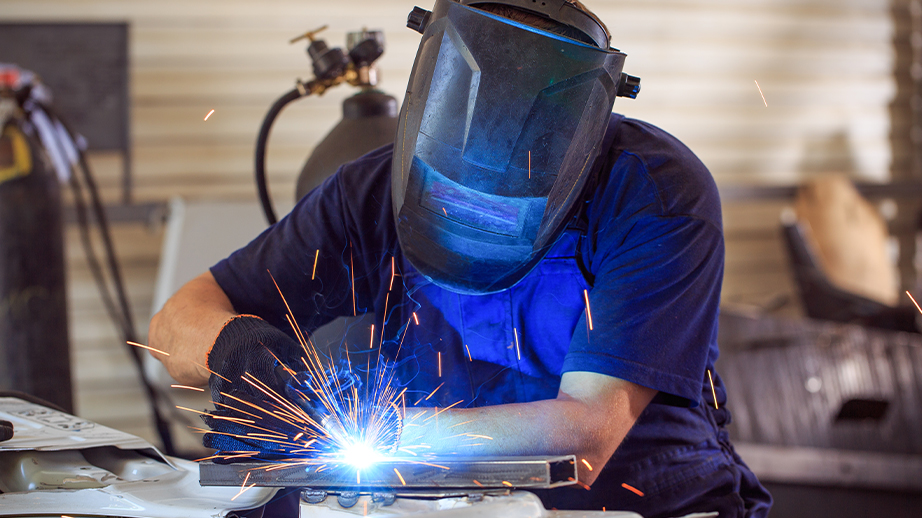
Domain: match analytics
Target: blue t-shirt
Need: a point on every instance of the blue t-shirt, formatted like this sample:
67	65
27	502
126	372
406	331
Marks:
631	290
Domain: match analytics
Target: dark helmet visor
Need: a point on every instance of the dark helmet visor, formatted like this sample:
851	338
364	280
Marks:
499	128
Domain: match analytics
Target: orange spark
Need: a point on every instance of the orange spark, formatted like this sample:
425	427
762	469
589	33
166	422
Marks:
243	487
371	339
518	354
529	165
188	388
468	352
316	257
632	489
402	481
393	274
586	462
298	436
211	371
714	392
582	484
352	277
588	309
445	211
434	391
364	507
415	318
914	301
149	348
440	364
192	410
763	100
505	483
439	411
478	483
209	114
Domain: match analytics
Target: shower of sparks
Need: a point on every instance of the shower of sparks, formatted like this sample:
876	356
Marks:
209	114
518	354
188	388
760	93
586	462
316	257
632	489
914	301
714	392
402	481
149	348
361	425
588	310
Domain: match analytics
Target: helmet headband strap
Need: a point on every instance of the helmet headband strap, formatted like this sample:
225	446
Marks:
562	11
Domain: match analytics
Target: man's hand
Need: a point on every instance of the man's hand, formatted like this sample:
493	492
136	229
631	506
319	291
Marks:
186	328
249	364
590	417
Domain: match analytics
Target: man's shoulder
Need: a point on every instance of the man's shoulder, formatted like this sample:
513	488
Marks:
653	163
371	169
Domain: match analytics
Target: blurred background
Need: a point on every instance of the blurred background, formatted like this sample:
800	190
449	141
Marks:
771	94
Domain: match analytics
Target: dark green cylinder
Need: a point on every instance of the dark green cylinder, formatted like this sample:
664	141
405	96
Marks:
34	347
369	122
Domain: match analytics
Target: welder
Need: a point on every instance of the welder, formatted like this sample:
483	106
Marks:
552	266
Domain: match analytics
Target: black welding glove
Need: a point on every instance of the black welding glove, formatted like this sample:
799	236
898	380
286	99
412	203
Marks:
248	345
254	376
249	376
6	431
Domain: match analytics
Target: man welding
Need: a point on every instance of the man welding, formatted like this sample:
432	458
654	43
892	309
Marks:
554	267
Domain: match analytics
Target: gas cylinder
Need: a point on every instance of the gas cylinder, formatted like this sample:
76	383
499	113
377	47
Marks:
369	122
34	348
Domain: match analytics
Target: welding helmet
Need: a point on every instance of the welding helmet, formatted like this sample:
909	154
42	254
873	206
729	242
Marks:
496	138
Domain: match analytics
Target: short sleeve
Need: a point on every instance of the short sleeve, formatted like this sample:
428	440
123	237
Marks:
654	307
305	254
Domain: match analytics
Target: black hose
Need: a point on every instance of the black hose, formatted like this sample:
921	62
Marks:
261	142
124	321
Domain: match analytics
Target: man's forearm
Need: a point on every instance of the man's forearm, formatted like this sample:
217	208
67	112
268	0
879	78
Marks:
552	427
187	326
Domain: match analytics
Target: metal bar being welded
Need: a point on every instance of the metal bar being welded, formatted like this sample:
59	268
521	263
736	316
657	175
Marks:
462	472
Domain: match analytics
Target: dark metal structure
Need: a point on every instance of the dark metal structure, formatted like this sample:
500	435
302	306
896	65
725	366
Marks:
841	403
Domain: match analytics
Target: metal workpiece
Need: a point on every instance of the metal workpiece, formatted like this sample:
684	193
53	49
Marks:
443	473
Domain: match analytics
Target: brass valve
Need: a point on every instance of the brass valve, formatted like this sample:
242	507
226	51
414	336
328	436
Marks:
309	35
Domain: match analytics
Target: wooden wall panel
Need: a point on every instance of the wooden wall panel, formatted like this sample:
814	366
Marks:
824	67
